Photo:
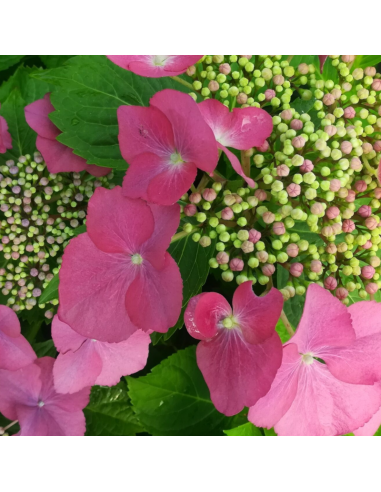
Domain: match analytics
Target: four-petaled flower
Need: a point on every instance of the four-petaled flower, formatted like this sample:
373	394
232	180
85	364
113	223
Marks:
240	351
5	137
156	65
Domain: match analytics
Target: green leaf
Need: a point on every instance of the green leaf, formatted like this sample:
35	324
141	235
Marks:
245	430
363	61
51	291
330	72
174	400
302	106
293	309
45	349
109	413
54	61
7	61
270	433
89	91
309	59
282	332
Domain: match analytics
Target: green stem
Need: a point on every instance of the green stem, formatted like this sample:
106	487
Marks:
287	324
368	166
183	82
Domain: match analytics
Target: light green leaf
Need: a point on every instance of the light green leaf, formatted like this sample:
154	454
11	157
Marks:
247	430
51	291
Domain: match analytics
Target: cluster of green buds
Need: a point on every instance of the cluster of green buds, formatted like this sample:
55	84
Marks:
317	173
39	213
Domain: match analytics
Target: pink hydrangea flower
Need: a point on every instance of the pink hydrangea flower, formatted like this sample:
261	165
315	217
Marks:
28	395
322	59
309	398
15	351
118	278
241	129
240	352
83	362
164	145
5	137
155	65
58	157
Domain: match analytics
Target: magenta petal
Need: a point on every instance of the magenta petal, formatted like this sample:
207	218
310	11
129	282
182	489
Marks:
9	322
92	291
236	165
371	427
37	117
122	359
270	409
238	374
15	352
142	169
210	311
147	66
74	371
5	136
143	130
97	171
257	316
194	140
64	337
117	224
58	157
326	322
190	319
322	59
154	299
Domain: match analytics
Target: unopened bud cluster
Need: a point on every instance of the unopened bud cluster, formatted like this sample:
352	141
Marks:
39	213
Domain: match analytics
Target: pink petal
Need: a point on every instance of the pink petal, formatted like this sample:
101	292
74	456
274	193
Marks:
97	171
370	429
74	371
241	129
117	224
190	320
270	409
37	422
65	338
9	322
234	161
322	59
238	374
5	136
37	117
70	423
92	291
210	311
154	299
144	64
257	316
143	130
326	322
122	359
194	140
58	157
15	352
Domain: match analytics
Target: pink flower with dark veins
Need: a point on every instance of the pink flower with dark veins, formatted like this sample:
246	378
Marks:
155	65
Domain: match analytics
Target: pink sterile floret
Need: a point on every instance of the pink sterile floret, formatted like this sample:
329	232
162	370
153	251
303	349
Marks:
118	278
155	65
240	352
5	137
164	145
309	398
58	157
84	362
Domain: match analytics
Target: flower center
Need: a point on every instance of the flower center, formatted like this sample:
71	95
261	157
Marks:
136	259
308	359
229	323
41	404
159	60
176	159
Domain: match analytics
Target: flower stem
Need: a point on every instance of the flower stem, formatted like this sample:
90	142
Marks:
183	82
245	160
287	324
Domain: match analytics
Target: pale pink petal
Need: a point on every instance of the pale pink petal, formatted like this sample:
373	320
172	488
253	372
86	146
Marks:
143	130
154	299
270	409
166	65
71	423
210	311
15	352
194	140
326	322
257	316
122	359
238	374
92	291
237	166
370	429
190	320
65	338
117	224
37	117
9	322
5	136
59	158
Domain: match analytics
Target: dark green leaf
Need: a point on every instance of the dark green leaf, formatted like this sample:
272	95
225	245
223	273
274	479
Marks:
109	413
51	291
45	349
54	61
302	106
245	430
7	61
174	400
90	90
293	309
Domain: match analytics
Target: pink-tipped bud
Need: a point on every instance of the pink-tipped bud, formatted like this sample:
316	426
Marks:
348	226
254	236
261	195
346	147
270	94
222	258
365	211
337	228
213	86
316	266
268	217
227	214
237	265
377	193
327	231
371	223
278	80
372	289
335	185
332	213
317	209
370	71
377	146
286	115
190	210
294	190
328	99
351	197
367	148
376	86
348	58
368	245
330	130
264	147
242	98
225	68
268	270
349	113
356	164
195	198
361	186
191	70
292	250
262	256
375	261
368	272
330	283
331	249
296	270
303	68
336	93
296	125
209	195
342	293
247	247
298	142
279	228
283	171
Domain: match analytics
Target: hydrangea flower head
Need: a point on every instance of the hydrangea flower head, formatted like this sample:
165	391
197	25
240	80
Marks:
5	137
58	157
155	65
311	394
83	362
165	144
240	352
118	277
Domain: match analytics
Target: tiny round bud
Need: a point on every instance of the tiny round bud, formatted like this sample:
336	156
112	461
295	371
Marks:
268	270
316	266
237	265
330	283
349	112
209	195
294	190
342	293
368	272
190	210
365	211
247	247
372	289
195	198
296	270
279	228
